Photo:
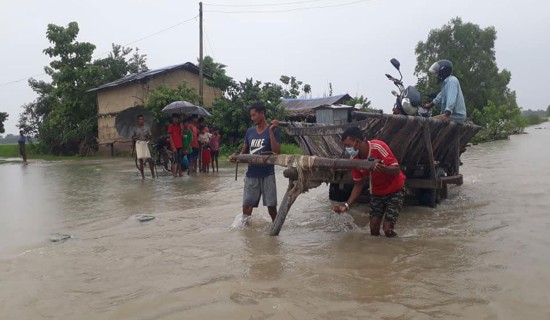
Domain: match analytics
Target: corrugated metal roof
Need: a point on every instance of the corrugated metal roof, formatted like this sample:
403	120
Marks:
336	106
148	74
307	104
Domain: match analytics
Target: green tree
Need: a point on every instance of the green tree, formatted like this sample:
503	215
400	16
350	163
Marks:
72	117
364	102
231	114
472	51
32	117
119	63
498	122
294	87
217	71
548	111
3	117
162	96
63	116
9	139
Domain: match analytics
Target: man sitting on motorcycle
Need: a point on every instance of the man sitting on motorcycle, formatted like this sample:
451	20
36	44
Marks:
450	99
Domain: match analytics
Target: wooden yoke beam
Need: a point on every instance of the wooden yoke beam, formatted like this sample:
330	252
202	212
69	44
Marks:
307	162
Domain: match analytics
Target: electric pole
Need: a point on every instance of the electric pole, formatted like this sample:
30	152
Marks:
201	64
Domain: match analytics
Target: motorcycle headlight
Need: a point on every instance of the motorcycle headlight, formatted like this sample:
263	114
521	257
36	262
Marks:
407	107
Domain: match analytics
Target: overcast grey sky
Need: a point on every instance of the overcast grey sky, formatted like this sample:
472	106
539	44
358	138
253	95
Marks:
349	45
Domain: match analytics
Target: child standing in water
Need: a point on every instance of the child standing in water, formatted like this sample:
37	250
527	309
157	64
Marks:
215	146
206	157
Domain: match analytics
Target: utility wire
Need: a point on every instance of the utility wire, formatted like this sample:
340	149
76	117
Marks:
161	31
151	35
261	5
289	10
24	79
208	40
106	52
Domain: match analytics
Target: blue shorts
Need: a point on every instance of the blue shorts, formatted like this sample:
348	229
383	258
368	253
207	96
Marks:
176	156
254	188
194	154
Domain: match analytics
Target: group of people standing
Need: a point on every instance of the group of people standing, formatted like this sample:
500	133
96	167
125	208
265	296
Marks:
192	145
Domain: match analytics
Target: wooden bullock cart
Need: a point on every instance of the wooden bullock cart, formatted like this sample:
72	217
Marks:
428	151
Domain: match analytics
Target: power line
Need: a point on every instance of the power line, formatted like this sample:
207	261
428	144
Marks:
106	52
289	10
24	79
161	31
261	5
208	40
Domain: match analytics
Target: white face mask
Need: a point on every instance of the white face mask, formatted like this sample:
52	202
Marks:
351	152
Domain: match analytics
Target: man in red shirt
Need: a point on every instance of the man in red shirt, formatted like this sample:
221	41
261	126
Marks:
386	181
176	143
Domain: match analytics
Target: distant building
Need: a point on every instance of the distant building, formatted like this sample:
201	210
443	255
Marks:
133	90
332	110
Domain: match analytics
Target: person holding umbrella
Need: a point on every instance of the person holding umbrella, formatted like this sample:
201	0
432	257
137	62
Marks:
176	144
187	135
195	145
188	108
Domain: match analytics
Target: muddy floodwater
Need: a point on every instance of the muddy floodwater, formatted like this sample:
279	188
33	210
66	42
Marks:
482	254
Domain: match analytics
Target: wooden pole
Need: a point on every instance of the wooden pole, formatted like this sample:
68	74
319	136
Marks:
456	166
201	64
431	162
288	200
311	162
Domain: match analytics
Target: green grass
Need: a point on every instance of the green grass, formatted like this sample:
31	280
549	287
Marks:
288	148
9	151
12	151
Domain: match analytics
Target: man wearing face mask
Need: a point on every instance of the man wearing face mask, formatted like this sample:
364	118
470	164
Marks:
386	181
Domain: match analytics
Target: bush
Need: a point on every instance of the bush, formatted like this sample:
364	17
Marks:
290	148
534	119
162	96
498	122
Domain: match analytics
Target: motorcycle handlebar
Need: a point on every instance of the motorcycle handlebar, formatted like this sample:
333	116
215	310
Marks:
395	81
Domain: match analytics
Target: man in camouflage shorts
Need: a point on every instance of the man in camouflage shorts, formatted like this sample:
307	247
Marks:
386	181
388	205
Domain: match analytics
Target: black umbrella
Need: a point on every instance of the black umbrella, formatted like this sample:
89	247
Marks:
126	120
186	108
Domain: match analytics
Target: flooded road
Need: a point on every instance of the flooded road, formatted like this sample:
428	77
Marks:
482	254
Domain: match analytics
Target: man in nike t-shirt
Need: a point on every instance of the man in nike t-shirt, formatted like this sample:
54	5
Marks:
260	179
